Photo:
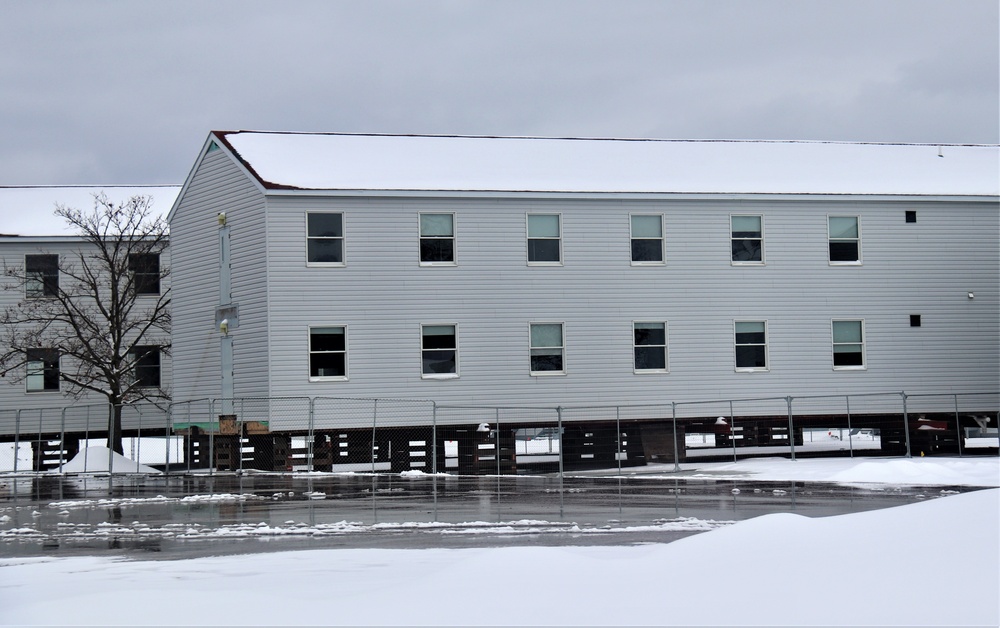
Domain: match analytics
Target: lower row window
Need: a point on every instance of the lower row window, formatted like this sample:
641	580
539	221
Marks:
42	367
547	346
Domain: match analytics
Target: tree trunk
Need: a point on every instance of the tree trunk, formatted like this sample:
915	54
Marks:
115	428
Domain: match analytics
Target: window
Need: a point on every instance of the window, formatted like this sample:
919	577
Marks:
848	345
147	366
547	349
145	269
437	239
647	239
845	240
328	353
650	347
911	215
325	238
544	240
751	345
42	370
439	351
747	239
41	275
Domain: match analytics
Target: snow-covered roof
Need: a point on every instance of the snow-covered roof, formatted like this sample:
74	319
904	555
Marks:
27	210
333	161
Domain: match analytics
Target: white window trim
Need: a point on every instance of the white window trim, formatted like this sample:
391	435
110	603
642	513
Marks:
347	355
767	348
343	243
454	240
860	260
763	242
527	251
564	370
666	349
458	362
864	345
662	238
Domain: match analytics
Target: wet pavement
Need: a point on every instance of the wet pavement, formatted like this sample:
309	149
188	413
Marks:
196	515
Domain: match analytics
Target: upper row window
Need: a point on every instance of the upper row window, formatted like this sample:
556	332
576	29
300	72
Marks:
41	276
325	236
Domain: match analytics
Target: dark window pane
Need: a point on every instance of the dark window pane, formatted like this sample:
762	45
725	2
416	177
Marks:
326	225
546	362
327	365
650	336
650	358
848	357
326	251
747	251
439	341
147	367
647	251
145	268
750	337
843	251
543	250
437	250
327	342
751	357
42	370
42	275
439	362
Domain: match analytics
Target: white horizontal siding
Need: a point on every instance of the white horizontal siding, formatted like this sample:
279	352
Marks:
383	295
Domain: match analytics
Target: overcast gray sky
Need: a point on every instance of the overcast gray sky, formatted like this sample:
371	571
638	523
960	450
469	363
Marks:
125	92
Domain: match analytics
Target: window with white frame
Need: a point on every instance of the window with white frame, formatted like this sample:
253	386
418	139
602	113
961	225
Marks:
41	276
147	366
647	239
547	349
544	239
849	344
42	370
845	239
747	235
328	353
325	238
751	345
439	351
437	239
650	347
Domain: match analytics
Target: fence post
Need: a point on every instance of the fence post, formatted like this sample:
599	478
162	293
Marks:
111	451
906	425
791	427
166	440
561	444
62	439
618	440
958	428
673	414
211	435
434	442
732	428
310	442
372	453
138	440
850	436
17	439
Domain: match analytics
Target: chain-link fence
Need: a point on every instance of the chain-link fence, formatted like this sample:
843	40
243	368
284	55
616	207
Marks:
379	435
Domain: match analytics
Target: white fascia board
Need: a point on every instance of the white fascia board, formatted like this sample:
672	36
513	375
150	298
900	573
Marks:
627	195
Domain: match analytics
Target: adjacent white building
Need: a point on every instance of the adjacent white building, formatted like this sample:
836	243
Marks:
555	272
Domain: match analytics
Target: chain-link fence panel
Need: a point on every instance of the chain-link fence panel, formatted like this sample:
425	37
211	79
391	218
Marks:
956	423
15	455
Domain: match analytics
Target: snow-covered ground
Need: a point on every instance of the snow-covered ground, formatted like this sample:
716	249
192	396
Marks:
931	563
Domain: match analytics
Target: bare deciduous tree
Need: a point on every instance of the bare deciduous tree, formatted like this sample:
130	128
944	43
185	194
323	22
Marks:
96	319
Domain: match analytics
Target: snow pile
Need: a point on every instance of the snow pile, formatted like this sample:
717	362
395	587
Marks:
936	471
930	563
96	459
